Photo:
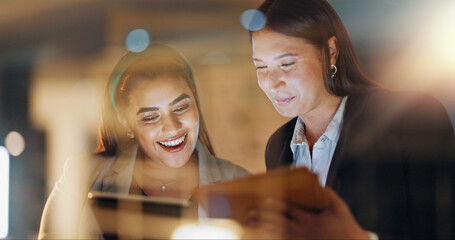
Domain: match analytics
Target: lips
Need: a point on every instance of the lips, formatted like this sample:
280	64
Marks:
283	101
174	144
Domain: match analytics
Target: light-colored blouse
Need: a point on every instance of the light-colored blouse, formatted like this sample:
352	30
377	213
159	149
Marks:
323	149
67	213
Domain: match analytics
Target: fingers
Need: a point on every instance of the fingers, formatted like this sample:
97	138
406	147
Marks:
272	203
337	204
278	218
280	212
283	208
298	213
258	215
264	223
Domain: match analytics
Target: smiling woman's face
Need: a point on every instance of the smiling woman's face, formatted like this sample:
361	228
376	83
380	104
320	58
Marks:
164	119
289	71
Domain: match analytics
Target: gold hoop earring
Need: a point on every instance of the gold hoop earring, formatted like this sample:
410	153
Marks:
333	70
130	135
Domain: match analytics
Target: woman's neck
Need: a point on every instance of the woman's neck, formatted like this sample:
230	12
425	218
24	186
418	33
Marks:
162	172
317	120
156	179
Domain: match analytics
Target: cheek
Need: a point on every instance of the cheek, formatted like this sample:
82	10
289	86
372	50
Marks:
191	120
196	130
151	133
297	83
147	134
300	81
262	82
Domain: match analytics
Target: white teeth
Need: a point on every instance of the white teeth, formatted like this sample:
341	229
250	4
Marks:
174	142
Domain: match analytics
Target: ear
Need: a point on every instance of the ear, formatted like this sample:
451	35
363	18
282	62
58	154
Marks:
124	123
333	50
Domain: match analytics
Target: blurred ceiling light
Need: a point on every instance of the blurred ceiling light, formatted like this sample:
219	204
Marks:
430	56
137	40
253	20
4	191
15	143
208	229
216	58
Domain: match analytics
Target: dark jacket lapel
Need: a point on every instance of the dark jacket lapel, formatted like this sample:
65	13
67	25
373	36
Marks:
286	156
352	112
278	151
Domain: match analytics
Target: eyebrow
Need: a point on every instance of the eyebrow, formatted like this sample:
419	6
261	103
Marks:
147	109
175	101
281	56
179	98
286	55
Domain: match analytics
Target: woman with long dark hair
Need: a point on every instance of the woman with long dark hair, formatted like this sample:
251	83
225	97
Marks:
386	157
153	142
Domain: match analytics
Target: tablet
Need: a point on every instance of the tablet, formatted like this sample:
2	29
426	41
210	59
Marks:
232	199
121	216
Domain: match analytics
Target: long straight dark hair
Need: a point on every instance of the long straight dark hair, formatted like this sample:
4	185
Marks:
133	68
316	21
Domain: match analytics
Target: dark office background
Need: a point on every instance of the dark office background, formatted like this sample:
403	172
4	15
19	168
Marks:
403	44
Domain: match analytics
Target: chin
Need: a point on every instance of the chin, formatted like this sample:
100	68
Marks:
286	112
176	161
175	164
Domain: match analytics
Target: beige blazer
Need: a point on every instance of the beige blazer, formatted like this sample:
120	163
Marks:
67	213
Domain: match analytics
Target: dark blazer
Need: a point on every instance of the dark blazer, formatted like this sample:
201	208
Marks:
393	164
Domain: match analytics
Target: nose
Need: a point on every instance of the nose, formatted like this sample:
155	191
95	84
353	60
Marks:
171	125
272	81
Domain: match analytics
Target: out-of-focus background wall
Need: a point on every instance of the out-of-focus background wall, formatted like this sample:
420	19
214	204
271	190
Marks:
56	56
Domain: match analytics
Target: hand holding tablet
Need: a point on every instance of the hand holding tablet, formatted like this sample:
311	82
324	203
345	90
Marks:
233	199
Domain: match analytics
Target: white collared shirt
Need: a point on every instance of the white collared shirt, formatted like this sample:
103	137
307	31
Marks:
323	149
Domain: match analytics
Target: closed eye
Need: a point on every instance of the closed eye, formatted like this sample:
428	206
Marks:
287	64
260	67
150	118
181	108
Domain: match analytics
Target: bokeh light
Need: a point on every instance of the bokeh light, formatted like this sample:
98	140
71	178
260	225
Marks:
226	230
15	143
253	20
4	191
137	40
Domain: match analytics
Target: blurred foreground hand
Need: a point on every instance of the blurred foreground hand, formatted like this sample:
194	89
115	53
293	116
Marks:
279	219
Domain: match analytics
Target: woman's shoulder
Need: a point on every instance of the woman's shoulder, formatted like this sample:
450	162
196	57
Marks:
212	168
400	103
231	170
282	132
278	142
409	117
